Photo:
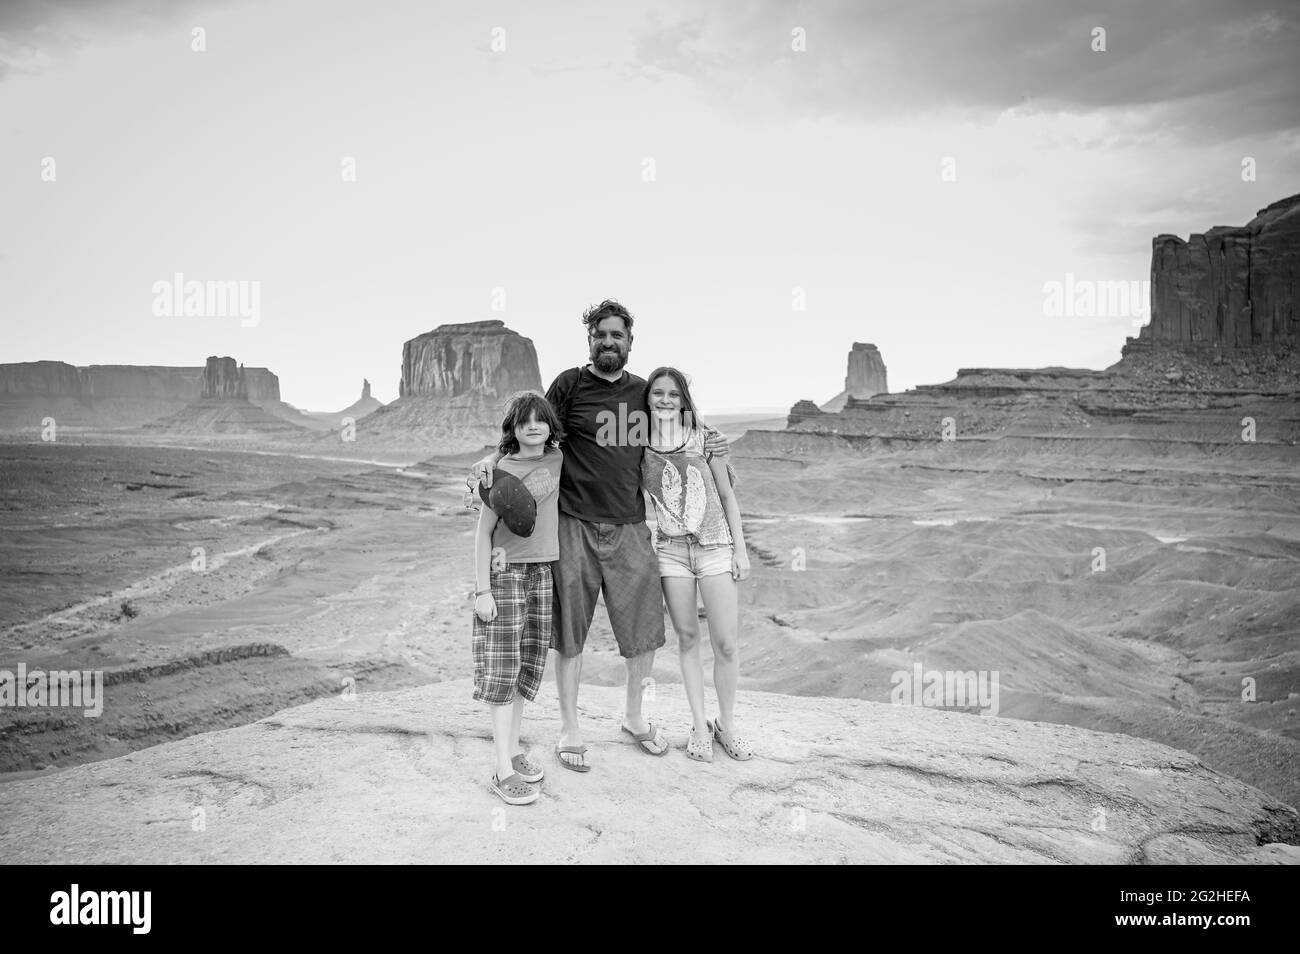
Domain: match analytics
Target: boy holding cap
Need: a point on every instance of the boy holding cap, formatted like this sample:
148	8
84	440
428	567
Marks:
516	544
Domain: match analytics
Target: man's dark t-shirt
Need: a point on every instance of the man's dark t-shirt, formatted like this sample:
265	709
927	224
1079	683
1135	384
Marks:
601	484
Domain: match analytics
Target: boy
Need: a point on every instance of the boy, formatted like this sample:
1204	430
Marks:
516	543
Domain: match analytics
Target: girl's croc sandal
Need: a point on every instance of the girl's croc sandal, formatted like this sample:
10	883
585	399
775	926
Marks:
731	743
700	747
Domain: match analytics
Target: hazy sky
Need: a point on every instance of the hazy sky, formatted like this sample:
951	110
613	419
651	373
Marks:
524	169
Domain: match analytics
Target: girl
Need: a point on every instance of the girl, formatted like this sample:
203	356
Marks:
699	542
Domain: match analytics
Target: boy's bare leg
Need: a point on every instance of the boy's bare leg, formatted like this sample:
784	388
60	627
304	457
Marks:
501	717
568	674
516	718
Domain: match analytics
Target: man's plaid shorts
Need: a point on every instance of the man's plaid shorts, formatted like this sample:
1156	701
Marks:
510	651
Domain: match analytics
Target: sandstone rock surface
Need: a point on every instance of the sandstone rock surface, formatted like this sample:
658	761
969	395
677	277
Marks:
401	776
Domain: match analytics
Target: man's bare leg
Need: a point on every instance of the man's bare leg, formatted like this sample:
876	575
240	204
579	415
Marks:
568	675
638	671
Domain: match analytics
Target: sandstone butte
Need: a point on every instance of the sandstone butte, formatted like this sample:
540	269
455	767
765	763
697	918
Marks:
455	382
866	376
225	406
473	357
400	776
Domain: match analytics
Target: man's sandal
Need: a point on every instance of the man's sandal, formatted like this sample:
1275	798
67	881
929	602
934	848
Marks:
651	741
578	750
526	768
700	747
514	790
731	743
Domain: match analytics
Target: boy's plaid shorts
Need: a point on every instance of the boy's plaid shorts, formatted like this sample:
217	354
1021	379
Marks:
510	651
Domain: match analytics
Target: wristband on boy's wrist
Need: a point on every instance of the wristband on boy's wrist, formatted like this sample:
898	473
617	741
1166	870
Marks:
478	593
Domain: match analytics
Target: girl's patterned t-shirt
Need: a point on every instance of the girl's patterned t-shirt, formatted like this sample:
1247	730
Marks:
685	495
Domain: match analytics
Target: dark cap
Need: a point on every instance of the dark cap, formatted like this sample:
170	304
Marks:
511	502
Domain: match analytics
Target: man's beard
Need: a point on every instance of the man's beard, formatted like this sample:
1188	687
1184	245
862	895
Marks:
609	361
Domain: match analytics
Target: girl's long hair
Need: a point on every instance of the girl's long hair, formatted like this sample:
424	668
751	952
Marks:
521	405
690	415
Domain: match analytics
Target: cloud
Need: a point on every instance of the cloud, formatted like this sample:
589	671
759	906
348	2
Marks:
36	33
1190	69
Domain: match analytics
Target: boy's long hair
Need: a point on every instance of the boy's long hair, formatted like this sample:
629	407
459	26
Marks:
519	408
690	415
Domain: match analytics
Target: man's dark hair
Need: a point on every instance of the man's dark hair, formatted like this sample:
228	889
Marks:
608	308
518	409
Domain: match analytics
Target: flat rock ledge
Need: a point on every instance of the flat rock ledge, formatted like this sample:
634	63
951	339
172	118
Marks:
401	776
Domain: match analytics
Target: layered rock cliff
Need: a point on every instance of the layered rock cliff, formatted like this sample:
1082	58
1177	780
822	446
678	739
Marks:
1222	346
866	376
1162	395
1233	287
106	397
43	378
135	381
130	381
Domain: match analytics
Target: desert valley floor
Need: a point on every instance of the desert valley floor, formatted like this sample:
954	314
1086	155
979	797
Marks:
216	587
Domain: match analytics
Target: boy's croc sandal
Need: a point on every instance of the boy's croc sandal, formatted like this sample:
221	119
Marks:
514	790
527	769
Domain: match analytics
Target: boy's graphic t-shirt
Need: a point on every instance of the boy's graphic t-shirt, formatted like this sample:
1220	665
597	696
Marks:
541	476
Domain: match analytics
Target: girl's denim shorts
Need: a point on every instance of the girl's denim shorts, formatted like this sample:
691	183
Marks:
684	558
